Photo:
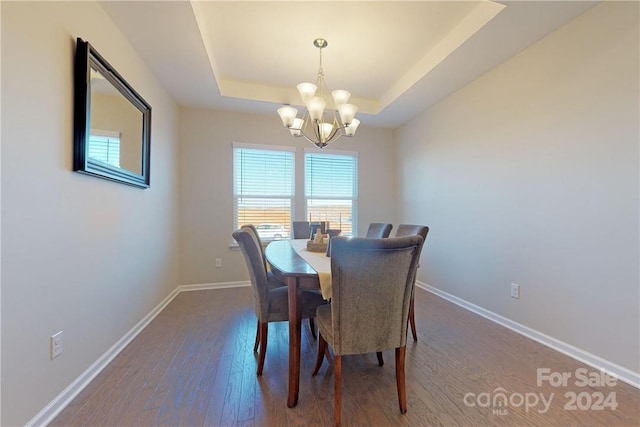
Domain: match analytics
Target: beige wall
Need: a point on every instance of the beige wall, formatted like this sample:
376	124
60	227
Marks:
206	188
530	175
79	254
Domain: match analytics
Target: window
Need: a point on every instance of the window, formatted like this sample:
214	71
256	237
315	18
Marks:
104	146
263	187
331	189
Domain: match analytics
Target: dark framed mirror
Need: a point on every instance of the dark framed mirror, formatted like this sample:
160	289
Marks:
112	122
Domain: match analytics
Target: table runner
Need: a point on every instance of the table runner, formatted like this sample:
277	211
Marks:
319	261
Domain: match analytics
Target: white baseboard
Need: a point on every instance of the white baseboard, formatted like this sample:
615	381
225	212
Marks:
628	376
205	286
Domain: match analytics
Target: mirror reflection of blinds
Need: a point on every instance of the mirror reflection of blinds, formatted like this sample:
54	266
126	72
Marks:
104	146
331	189
264	189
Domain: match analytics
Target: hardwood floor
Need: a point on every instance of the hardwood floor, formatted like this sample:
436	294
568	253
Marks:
194	366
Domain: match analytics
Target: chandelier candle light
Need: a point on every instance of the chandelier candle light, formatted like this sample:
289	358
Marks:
316	126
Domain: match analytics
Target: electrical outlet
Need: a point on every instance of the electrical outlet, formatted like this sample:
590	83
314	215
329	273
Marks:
515	291
218	262
56	345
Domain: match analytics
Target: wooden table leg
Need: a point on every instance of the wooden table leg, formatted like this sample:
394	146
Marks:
295	319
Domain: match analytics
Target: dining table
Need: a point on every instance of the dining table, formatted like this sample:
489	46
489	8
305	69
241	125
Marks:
300	269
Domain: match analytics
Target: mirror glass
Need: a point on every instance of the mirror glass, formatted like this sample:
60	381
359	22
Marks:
112	122
116	126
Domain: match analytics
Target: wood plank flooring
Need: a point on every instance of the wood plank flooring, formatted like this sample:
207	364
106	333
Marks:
194	366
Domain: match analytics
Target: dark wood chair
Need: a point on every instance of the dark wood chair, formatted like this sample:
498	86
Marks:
372	281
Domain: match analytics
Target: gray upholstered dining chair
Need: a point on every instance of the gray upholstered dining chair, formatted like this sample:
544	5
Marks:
372	281
301	230
272	282
378	230
271	302
413	230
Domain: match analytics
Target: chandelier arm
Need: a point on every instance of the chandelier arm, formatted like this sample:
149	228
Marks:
335	130
335	135
318	144
310	123
316	130
339	135
306	123
338	125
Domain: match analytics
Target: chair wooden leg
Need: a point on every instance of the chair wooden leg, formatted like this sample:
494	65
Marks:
337	391
255	346
400	379
380	359
312	326
322	349
264	329
412	320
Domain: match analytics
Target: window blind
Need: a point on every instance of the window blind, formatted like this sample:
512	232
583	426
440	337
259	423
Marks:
104	146
331	189
264	190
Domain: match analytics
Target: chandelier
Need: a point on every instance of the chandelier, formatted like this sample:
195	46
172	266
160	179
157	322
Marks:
317	125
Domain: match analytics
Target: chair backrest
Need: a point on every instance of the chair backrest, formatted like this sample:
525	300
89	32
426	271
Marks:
257	272
301	230
378	230
332	232
413	230
254	232
372	285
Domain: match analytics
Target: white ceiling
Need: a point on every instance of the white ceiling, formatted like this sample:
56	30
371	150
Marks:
396	58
